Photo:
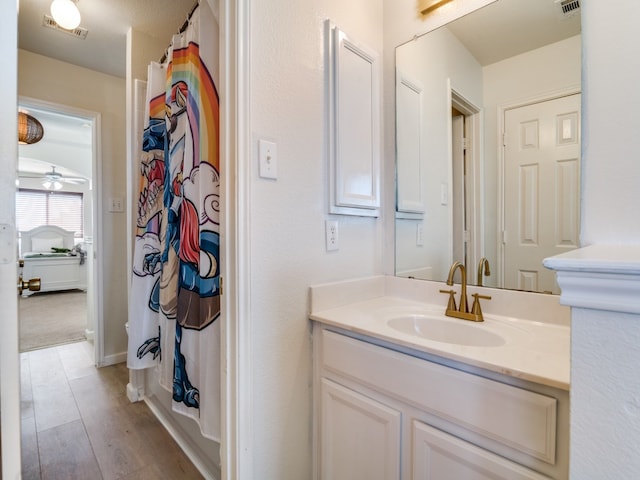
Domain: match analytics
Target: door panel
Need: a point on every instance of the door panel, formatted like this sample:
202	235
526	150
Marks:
542	179
360	436
9	358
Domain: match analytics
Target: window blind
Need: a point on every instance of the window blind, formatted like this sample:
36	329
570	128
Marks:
39	207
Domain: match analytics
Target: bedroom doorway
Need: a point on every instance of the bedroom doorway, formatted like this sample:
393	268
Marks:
57	221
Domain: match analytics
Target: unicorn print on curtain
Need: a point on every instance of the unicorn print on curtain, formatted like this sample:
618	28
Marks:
175	291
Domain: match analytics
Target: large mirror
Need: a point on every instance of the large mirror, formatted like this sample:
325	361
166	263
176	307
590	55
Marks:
488	145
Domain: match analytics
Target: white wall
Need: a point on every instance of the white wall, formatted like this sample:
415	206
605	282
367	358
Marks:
43	78
544	71
438	62
610	130
605	430
402	23
287	218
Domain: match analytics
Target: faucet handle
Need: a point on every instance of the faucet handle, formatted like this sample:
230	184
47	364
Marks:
475	309
451	305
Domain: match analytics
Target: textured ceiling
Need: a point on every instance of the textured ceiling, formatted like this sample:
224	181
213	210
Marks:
107	21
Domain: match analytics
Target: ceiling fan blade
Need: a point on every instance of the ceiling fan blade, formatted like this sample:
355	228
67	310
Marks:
74	180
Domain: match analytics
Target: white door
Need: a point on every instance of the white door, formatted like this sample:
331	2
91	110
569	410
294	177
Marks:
9	359
541	190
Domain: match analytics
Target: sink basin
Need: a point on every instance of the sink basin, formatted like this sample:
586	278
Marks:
459	332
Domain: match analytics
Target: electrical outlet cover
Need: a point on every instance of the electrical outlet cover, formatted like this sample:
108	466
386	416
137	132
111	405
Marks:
331	233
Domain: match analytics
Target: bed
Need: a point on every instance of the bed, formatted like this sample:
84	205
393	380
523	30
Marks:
45	256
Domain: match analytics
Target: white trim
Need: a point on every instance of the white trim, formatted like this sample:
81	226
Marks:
599	277
96	203
114	359
183	441
449	233
474	201
500	131
410	208
134	394
236	435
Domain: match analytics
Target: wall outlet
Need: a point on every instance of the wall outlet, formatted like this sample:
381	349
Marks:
331	233
419	235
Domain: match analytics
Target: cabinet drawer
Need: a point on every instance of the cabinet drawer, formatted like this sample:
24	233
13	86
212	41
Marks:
518	418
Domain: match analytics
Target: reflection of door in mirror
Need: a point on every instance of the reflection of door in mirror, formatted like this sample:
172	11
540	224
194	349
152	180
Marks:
542	179
507	54
466	205
458	197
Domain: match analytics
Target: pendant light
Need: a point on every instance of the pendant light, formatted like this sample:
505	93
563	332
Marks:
65	13
29	129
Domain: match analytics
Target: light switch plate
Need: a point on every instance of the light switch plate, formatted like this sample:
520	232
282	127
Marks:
444	194
116	204
268	155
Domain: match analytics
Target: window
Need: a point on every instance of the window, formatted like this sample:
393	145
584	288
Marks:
39	207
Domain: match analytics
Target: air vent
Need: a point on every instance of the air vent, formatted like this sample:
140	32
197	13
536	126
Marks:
568	8
78	32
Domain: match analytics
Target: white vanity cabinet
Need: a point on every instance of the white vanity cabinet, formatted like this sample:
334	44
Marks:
361	436
387	412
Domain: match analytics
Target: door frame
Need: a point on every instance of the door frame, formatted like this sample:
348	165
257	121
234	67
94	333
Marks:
96	211
235	150
474	205
500	131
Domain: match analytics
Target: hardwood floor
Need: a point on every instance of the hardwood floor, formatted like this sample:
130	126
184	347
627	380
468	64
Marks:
77	422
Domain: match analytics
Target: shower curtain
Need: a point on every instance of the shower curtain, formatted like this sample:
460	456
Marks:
175	292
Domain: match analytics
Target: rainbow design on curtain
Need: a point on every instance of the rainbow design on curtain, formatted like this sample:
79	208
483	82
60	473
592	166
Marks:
175	298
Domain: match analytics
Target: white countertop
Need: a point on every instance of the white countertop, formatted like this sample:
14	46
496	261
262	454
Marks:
532	350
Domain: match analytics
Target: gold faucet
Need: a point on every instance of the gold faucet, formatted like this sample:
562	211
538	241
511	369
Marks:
484	264
462	310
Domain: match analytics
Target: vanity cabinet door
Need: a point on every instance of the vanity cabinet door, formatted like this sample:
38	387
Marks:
360	437
439	456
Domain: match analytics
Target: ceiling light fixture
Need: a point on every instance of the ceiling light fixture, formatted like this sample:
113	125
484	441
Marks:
29	129
65	13
49	185
428	6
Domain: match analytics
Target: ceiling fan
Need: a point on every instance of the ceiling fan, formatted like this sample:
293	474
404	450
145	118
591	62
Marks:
53	180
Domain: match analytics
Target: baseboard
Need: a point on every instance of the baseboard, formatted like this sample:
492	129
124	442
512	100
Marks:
114	359
183	441
89	334
134	394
